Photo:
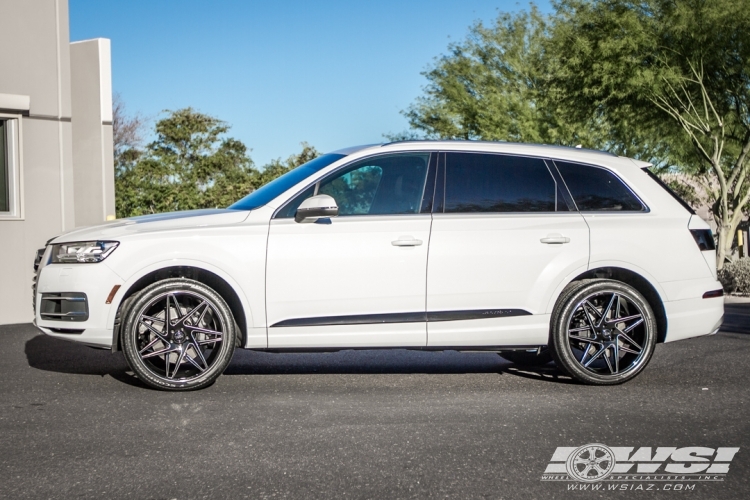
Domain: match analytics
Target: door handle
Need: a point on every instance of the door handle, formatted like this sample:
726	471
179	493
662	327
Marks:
406	241
555	239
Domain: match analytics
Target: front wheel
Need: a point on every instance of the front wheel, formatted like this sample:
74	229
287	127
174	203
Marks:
603	332
178	334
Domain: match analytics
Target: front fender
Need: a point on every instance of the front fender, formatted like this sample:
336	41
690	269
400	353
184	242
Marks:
164	264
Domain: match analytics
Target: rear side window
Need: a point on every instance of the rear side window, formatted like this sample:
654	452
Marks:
595	189
498	183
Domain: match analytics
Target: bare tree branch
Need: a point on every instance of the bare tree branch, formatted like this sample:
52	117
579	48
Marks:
127	130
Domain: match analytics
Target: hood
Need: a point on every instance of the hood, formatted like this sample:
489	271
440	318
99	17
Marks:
156	222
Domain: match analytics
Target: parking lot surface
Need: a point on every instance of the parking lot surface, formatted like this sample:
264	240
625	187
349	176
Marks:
75	423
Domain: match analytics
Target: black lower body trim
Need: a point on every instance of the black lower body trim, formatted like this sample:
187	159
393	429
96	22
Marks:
438	348
358	319
475	314
411	317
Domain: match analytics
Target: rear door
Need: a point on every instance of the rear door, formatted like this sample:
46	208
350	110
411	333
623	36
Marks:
504	236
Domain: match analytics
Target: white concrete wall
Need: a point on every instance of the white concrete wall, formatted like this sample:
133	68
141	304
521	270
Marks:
35	61
91	96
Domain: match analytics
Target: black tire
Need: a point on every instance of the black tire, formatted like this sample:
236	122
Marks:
587	340
197	346
528	358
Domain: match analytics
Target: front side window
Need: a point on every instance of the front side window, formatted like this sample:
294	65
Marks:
355	190
381	185
477	182
595	189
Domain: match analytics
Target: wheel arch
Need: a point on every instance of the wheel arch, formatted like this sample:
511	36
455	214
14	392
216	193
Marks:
208	278
637	281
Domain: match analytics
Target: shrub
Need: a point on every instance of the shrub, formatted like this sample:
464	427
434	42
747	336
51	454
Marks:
736	276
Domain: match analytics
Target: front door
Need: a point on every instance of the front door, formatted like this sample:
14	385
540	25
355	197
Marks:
502	239
356	280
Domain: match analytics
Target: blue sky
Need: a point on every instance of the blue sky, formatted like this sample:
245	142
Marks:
332	73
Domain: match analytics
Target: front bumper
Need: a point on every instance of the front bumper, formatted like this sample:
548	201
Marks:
96	281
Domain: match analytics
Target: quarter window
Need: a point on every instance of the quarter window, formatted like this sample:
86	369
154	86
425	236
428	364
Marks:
597	189
498	183
382	185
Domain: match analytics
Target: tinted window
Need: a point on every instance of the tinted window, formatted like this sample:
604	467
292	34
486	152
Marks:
268	192
382	185
497	183
355	190
597	189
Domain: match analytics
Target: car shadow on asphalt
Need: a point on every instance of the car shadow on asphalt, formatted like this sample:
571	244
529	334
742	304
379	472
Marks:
50	354
55	355
384	361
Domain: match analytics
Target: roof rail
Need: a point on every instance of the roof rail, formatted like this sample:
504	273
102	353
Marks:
549	146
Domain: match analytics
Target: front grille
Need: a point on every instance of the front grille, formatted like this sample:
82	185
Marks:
64	306
37	262
38	258
33	294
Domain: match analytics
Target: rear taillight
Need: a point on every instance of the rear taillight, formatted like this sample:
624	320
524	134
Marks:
704	238
713	294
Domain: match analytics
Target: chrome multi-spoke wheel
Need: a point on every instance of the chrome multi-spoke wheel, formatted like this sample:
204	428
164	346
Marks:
604	332
179	334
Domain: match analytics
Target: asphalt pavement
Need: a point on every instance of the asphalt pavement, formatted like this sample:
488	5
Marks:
75	423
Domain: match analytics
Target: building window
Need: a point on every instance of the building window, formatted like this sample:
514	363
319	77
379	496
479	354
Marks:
4	196
9	206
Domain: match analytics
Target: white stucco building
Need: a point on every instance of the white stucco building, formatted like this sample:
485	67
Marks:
56	154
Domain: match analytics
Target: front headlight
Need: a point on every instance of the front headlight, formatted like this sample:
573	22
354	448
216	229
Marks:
82	252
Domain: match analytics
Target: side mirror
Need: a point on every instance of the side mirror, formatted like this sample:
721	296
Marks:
316	207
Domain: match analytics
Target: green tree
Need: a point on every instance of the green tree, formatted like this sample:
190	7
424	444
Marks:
680	68
488	86
666	81
495	85
278	167
189	165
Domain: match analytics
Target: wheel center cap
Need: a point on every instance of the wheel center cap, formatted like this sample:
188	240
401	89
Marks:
178	336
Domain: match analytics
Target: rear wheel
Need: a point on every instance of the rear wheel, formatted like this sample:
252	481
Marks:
603	332
178	334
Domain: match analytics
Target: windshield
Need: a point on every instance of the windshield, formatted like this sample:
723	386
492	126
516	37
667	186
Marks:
268	192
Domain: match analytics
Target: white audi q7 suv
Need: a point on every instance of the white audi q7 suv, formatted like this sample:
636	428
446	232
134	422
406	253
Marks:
538	253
